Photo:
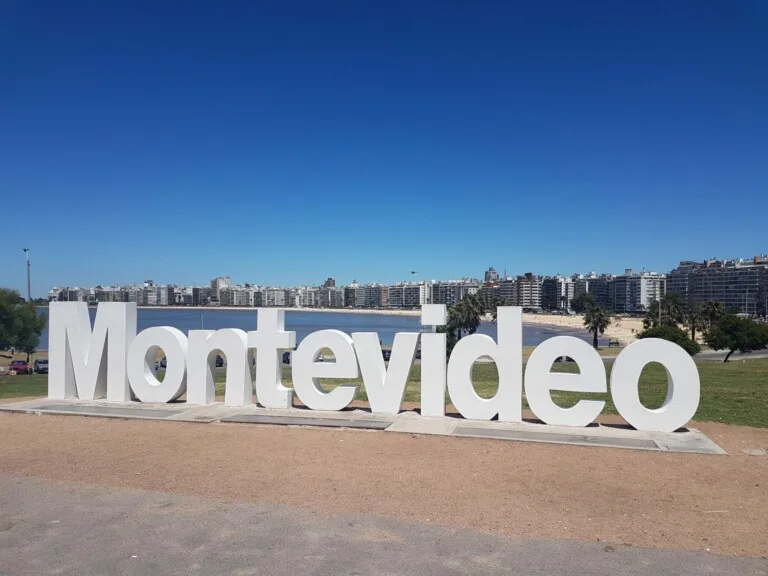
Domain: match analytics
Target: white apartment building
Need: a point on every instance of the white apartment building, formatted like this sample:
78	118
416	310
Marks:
217	284
528	290
634	292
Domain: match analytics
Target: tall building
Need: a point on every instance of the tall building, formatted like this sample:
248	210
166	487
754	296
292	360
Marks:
528	291
741	285
201	296
634	292
415	295
491	275
488	294
601	287
451	292
508	291
330	297
166	296
329	283
216	285
557	293
354	296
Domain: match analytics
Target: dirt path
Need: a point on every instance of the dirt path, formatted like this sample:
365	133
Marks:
685	501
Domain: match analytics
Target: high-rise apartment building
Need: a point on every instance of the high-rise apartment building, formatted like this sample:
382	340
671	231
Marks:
633	293
528	291
557	293
491	275
451	292
216	285
508	291
741	285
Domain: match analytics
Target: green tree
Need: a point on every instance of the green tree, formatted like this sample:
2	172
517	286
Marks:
495	308
711	312
9	301
734	333
582	302
596	320
672	334
694	320
20	325
464	317
672	312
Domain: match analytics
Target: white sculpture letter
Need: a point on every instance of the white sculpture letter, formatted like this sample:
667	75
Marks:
683	386
433	369
76	353
270	339
385	386
540	381
307	371
141	364
201	377
508	355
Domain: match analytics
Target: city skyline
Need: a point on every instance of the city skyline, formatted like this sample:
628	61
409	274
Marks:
287	142
410	276
740	284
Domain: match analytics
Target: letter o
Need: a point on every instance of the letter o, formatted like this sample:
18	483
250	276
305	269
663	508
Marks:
683	385
141	361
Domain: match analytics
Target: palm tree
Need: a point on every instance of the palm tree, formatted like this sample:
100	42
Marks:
596	320
693	319
465	316
495	308
672	312
711	312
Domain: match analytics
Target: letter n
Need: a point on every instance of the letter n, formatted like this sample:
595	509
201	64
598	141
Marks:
90	363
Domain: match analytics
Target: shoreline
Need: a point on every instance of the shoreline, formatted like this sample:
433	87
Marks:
369	311
622	329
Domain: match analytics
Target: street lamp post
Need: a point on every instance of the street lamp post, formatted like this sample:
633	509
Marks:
29	282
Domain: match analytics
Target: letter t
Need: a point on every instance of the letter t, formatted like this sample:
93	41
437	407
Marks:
269	340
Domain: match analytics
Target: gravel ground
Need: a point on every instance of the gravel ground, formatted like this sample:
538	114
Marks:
509	489
62	528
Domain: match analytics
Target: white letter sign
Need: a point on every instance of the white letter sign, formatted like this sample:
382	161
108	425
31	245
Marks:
111	360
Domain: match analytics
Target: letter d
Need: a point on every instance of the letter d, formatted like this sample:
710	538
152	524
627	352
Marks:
508	356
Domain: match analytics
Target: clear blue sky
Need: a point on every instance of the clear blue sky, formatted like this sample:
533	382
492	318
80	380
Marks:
281	142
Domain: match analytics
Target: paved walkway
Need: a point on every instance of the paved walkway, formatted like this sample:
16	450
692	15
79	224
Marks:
49	528
607	436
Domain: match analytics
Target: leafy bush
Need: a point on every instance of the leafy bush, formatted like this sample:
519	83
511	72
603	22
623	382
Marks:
672	334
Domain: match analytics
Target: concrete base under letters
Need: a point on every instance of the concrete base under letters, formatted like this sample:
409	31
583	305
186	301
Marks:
611	436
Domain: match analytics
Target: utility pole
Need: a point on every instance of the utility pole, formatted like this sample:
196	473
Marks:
659	301
29	282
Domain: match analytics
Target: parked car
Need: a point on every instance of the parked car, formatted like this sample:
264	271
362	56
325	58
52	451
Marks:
19	366
219	361
41	366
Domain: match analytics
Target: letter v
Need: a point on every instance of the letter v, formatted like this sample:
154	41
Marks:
385	387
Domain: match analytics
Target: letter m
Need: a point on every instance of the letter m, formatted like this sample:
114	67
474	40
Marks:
89	363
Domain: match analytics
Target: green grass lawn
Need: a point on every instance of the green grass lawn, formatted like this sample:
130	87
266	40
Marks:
735	393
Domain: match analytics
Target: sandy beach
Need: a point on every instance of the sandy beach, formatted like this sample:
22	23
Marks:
622	329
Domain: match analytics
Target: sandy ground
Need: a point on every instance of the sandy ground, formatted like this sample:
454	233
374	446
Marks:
515	490
622	329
